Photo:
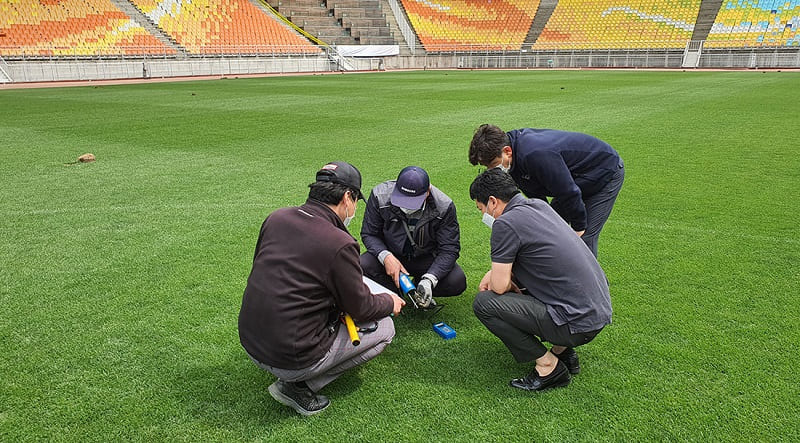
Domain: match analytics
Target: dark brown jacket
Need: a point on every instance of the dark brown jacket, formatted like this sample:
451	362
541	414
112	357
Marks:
305	271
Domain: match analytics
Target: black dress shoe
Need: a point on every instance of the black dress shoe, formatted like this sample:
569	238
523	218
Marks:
570	359
534	382
299	397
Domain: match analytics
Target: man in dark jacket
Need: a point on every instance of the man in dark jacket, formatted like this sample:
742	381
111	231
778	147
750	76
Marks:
411	227
582	173
305	274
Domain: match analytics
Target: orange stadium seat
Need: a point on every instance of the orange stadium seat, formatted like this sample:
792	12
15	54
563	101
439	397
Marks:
72	28
223	27
450	25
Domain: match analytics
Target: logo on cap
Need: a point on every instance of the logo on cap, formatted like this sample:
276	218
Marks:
411	188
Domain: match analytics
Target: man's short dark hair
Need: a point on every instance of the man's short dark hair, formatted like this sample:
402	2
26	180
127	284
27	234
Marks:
493	182
487	144
329	192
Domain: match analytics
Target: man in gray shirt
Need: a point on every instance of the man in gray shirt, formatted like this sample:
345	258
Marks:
544	285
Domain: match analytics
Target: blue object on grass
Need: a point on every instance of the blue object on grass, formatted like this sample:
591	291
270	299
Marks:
444	330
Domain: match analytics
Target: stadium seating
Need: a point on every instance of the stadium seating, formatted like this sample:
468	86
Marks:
223	26
447	25
45	28
756	23
599	24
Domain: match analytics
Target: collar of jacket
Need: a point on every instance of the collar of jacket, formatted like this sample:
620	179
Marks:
516	200
321	210
436	204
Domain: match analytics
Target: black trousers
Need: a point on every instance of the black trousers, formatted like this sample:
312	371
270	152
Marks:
522	323
599	206
449	285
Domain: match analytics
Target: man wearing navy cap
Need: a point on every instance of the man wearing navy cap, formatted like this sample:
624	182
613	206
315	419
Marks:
305	273
411	227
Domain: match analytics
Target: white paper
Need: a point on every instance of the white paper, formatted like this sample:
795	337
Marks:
375	287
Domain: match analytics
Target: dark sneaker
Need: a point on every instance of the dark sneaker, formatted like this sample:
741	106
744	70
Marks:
570	359
534	382
299	397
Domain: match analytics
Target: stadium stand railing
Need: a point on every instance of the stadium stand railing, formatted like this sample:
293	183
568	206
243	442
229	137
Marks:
72	28
762	23
62	38
4	75
406	30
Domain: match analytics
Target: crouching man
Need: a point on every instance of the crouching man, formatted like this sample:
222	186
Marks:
305	274
544	284
410	227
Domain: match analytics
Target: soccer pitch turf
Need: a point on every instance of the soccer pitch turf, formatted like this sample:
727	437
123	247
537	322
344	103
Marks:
121	279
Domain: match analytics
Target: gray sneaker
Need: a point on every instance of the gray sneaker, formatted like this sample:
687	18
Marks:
299	397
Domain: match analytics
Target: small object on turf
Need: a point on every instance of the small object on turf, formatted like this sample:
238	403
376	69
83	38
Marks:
86	158
444	330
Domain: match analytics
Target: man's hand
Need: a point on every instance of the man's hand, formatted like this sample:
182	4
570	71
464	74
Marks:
394	268
398	304
580	233
484	285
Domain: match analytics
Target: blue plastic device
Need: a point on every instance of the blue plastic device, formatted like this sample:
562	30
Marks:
405	284
444	330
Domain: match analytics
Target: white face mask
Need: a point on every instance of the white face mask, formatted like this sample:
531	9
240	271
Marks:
407	211
501	167
348	219
487	219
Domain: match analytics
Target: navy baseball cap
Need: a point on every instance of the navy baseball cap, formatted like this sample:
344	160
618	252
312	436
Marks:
342	173
411	188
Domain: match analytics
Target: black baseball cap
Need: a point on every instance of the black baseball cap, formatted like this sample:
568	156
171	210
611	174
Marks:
411	188
342	173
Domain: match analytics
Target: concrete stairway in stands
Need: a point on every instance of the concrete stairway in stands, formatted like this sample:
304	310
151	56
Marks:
543	13
137	16
340	22
705	18
314	17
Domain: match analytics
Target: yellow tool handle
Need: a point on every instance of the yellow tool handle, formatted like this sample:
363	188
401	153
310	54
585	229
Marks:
351	329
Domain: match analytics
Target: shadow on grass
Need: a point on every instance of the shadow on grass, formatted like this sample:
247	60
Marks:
229	393
232	394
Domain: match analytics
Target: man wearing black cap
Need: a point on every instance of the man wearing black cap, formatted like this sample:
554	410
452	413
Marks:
305	273
411	227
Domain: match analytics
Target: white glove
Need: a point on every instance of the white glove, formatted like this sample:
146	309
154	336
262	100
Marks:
425	293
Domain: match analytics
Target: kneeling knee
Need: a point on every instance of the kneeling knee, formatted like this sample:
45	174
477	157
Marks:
480	303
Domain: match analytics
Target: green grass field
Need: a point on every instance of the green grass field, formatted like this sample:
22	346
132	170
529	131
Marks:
121	279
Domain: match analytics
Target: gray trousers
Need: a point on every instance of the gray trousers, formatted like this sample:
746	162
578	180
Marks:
599	206
521	322
340	357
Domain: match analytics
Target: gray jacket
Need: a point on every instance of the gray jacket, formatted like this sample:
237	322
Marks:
436	233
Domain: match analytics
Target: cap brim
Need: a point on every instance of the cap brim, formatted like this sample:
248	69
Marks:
406	201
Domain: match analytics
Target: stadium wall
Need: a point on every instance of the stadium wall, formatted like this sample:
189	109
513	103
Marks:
108	69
